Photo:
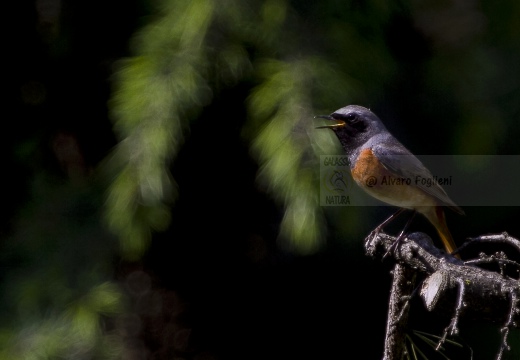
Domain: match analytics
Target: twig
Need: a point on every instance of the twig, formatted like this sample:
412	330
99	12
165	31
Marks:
402	287
481	294
509	324
452	328
504	238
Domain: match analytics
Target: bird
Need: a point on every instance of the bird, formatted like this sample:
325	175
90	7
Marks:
384	168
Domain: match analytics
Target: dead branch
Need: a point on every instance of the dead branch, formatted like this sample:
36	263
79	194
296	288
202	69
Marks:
402	288
450	285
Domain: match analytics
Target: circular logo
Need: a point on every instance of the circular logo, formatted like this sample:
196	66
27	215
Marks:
336	180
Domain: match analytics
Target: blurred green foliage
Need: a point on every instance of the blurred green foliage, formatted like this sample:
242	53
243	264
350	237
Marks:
182	59
59	295
449	67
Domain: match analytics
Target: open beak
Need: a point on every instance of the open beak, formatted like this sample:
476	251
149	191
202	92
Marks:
339	123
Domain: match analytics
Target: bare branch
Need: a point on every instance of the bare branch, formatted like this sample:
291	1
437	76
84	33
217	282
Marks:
450	286
402	287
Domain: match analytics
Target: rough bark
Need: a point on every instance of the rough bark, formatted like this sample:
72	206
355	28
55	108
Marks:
451	285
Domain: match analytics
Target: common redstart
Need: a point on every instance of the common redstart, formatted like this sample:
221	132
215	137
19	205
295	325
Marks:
388	171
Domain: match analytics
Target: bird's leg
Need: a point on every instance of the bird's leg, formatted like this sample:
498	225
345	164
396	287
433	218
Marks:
380	227
384	223
401	235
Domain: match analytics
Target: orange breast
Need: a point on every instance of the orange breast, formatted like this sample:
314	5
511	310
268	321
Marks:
386	186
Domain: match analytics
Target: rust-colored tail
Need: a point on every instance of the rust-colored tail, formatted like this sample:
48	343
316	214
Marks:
438	219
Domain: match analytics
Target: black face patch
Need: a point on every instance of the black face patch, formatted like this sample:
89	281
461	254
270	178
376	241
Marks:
355	122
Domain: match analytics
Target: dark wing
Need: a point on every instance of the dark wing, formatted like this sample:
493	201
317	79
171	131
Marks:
403	163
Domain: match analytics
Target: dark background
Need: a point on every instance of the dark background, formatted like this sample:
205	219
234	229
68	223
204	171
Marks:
216	284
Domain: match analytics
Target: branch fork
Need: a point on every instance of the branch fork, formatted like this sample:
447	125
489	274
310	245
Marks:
479	293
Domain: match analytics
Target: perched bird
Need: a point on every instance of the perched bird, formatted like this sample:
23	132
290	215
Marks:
388	171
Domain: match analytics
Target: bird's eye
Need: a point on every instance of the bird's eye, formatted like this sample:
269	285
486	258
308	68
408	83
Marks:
351	118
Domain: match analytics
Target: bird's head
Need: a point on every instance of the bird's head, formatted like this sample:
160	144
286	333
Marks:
353	125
